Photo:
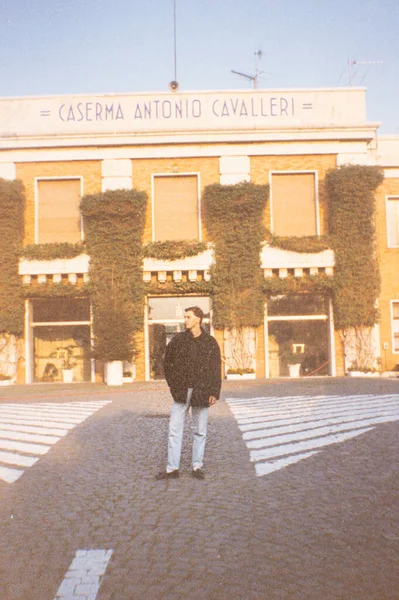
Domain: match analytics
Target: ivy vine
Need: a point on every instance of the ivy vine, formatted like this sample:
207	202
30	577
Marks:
52	251
56	290
114	227
174	249
178	288
351	191
12	207
235	224
304	244
315	284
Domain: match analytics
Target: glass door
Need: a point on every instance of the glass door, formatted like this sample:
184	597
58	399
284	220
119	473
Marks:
165	320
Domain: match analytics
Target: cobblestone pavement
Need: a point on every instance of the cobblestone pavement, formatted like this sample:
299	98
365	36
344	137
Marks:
88	521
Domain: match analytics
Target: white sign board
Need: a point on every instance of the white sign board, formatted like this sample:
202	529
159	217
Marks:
181	112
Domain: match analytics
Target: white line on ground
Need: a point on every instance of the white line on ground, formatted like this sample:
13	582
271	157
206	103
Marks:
298	423
282	431
310	405
295	448
68	405
316	411
83	578
10	458
24	447
10	475
289	399
6	434
37	422
271	436
264	468
28	429
37	414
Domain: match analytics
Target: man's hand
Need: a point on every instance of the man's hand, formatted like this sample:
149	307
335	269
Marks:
212	400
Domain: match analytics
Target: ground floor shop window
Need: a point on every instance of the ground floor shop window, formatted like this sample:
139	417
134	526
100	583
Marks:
165	319
60	334
61	348
298	336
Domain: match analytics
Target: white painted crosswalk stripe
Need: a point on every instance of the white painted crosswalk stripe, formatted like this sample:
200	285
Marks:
32	429
84	576
12	458
315	413
264	468
298	423
282	431
315	429
17	420
320	406
28	431
23	447
9	474
6	434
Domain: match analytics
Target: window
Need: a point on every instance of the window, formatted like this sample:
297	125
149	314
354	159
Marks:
298	332
61	333
294	204
45	310
395	325
176	208
393	221
58	217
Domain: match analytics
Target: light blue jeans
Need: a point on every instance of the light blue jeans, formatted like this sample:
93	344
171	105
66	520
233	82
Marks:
176	428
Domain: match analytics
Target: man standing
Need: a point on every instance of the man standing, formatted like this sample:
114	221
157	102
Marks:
193	372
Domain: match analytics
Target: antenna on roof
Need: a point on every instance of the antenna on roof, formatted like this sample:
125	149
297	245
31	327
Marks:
352	64
174	37
254	78
174	85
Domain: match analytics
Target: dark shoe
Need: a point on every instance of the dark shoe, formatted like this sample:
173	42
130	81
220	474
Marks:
198	474
165	475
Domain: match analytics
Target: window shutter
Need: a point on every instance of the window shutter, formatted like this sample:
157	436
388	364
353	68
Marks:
59	218
176	208
294	204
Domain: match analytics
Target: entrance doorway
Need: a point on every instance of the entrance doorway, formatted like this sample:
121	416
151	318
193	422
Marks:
165	319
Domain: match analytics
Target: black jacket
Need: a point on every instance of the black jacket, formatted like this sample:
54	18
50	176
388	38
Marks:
208	367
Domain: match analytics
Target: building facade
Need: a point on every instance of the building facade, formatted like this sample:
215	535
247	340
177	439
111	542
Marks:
173	146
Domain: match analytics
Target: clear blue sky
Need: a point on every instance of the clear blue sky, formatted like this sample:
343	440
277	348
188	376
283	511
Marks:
50	47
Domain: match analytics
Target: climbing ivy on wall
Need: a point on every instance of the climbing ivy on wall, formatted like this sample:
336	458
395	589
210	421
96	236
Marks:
311	284
235	224
114	226
12	205
351	191
177	288
52	251
174	249
313	243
